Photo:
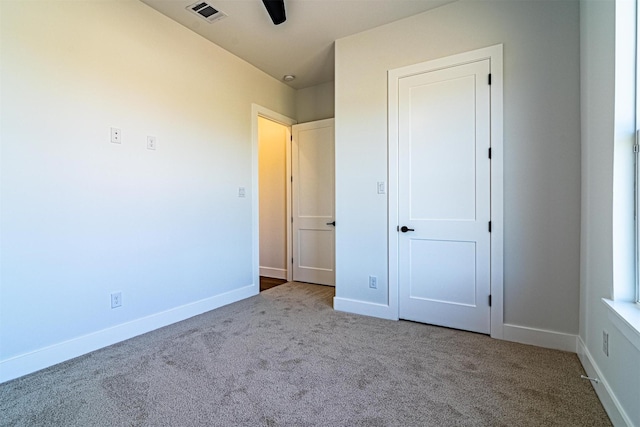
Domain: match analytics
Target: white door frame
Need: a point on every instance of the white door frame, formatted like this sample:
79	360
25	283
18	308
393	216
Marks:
258	111
494	54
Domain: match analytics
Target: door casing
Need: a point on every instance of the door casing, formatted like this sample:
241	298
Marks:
494	54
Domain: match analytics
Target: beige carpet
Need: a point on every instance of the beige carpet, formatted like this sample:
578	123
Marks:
285	358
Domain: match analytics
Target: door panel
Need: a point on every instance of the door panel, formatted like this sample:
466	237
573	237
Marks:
444	195
316	249
442	150
313	202
315	172
443	271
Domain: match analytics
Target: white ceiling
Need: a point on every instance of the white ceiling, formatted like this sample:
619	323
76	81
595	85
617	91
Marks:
303	45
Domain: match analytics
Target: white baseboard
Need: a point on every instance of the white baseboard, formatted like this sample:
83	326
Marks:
540	337
364	308
274	273
48	356
611	404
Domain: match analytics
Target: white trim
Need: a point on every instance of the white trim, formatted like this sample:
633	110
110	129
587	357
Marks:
289	197
609	401
540	337
626	317
497	193
48	356
494	54
365	308
393	260
275	273
636	156
260	111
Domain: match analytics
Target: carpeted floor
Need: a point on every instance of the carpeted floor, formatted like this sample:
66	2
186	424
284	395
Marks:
285	358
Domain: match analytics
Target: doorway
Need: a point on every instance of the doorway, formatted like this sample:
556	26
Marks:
277	124
273	194
445	191
308	226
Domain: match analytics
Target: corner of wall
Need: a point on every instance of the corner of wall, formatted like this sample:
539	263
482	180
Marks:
602	388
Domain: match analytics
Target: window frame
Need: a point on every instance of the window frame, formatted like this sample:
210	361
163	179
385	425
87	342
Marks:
636	150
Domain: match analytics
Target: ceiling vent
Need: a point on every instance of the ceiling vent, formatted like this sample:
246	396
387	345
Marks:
206	11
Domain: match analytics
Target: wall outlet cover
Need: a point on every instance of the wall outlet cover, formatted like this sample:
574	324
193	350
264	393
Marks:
116	136
116	299
373	282
151	143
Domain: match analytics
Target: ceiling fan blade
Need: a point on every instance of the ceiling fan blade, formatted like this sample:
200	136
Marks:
275	8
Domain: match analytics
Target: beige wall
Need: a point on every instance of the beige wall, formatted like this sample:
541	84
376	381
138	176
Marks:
82	217
273	204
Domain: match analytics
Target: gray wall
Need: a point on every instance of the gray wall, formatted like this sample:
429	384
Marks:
315	102
541	144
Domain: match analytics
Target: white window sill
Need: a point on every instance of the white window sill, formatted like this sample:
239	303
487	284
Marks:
626	317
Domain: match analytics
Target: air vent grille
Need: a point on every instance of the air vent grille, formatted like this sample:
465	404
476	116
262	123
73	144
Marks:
206	11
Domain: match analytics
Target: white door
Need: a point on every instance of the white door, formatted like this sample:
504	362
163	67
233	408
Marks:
313	202
444	197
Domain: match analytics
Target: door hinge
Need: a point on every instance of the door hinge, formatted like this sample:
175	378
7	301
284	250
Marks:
291	138
489	300
291	220
489	78
291	260
636	148
489	152
291	178
489	226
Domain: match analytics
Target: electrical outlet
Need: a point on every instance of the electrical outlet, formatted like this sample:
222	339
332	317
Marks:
242	192
116	299
381	189
605	343
151	143
116	136
373	282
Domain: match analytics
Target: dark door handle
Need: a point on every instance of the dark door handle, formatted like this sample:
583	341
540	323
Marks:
404	229
332	223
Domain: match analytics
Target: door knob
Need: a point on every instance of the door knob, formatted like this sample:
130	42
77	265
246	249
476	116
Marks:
332	223
404	229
